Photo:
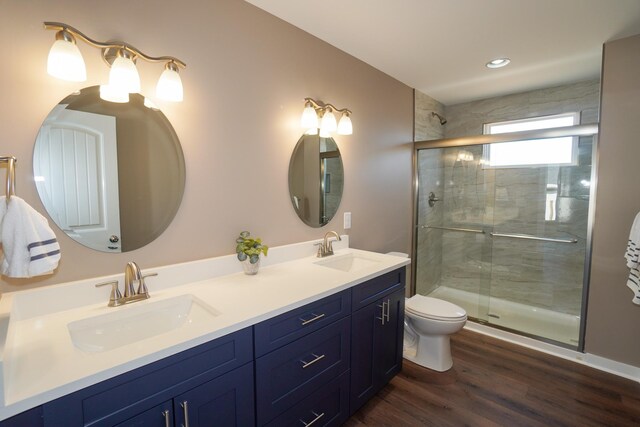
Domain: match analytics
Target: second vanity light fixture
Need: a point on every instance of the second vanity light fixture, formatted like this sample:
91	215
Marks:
319	116
65	62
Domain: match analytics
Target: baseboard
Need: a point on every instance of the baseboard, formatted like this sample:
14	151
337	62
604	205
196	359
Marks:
587	359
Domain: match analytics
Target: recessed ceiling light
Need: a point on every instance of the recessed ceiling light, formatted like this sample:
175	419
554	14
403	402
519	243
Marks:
497	63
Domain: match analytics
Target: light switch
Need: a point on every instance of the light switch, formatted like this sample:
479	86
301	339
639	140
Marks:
347	220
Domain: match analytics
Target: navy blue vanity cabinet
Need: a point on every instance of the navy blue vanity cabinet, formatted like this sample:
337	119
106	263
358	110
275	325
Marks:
226	401
30	418
160	416
377	334
329	406
215	379
299	357
285	328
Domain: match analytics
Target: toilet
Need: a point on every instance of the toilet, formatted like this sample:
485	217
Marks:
429	322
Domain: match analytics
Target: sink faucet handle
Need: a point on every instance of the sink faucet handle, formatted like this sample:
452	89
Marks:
142	286
115	296
320	252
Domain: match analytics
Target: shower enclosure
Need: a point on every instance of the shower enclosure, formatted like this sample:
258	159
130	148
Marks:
502	228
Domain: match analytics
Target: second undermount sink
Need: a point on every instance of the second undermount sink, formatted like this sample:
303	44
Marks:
130	324
347	262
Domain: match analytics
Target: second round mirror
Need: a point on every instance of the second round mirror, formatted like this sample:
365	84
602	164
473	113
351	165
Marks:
316	179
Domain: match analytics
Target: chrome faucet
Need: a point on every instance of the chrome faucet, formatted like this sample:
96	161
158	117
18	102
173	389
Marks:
326	247
132	275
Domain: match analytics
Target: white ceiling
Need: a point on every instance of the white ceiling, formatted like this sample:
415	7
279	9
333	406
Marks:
440	47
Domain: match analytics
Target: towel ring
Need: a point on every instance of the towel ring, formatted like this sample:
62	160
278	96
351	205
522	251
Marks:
10	185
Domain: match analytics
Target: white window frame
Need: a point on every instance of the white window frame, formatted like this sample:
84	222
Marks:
487	129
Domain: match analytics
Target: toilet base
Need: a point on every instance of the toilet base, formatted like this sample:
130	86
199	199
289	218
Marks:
433	352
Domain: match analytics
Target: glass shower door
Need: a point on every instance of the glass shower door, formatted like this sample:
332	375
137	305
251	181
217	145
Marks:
454	209
539	241
506	239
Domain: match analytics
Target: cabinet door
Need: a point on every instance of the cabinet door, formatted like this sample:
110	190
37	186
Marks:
376	346
158	416
224	401
364	325
388	351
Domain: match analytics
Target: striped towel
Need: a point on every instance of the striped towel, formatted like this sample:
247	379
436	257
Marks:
29	246
632	256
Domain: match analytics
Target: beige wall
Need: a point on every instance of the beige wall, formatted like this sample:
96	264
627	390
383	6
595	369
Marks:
247	75
612	320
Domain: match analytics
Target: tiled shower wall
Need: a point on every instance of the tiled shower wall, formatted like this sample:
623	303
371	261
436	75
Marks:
547	275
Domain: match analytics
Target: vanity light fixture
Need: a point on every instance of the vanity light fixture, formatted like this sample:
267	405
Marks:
66	62
319	115
498	63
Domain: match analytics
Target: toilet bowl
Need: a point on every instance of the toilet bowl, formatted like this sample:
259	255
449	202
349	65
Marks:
429	322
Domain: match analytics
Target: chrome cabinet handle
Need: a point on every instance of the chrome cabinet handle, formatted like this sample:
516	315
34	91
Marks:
318	416
165	414
383	307
317	316
185	410
388	309
307	364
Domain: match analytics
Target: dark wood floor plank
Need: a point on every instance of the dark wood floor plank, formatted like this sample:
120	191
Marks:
496	383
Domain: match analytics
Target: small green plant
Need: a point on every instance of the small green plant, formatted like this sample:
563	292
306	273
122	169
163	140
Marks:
250	248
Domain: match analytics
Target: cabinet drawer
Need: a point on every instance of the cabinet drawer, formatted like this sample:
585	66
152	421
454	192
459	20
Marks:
285	328
328	406
291	373
119	398
369	291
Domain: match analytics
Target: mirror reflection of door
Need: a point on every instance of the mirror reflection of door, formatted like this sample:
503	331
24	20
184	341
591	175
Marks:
76	170
330	168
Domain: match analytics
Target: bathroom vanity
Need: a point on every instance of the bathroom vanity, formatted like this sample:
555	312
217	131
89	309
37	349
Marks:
304	341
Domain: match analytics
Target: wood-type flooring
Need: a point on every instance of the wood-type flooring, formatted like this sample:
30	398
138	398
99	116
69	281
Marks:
496	383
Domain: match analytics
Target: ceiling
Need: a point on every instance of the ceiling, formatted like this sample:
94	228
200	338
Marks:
440	47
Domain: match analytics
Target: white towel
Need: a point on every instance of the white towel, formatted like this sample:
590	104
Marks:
632	256
30	247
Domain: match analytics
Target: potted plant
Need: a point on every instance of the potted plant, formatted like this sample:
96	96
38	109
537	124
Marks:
249	250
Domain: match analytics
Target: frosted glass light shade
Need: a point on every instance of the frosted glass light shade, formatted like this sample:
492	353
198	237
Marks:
309	119
328	123
111	94
324	133
124	75
150	104
312	131
169	86
344	126
65	62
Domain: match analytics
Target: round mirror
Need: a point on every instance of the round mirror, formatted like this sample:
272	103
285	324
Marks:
316	178
110	175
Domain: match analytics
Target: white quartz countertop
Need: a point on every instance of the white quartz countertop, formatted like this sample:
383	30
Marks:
41	363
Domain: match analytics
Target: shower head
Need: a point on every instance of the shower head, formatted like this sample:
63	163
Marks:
443	121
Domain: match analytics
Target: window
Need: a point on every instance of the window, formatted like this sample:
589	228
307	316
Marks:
536	152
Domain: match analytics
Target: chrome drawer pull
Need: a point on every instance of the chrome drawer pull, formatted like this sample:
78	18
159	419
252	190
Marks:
313	319
314	420
388	309
307	364
185	409
165	414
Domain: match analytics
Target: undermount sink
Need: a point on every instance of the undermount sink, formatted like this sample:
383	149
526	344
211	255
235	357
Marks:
130	324
347	262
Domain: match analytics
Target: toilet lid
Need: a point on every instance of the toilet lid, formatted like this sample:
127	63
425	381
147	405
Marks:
434	308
